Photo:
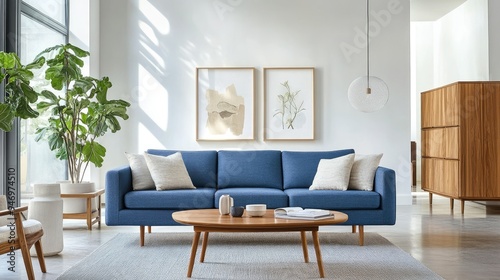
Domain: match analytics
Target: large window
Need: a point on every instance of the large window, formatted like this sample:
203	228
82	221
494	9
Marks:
54	9
42	24
37	163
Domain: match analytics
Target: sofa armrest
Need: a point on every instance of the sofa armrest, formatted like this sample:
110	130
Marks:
385	185
118	183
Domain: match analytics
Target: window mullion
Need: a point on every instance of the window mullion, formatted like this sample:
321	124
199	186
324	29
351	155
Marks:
36	15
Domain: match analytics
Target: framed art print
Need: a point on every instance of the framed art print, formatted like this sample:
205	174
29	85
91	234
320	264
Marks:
225	103
289	103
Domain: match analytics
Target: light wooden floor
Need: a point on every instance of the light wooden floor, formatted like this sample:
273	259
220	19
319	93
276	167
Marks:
452	245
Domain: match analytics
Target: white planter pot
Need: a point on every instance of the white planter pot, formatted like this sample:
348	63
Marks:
77	205
47	208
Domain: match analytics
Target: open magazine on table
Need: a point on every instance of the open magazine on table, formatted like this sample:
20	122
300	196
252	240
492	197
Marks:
300	213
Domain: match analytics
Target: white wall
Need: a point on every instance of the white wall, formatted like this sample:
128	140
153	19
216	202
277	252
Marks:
150	49
494	39
454	47
461	44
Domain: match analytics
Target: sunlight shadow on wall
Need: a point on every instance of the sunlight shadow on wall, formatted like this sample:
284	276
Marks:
151	72
154	121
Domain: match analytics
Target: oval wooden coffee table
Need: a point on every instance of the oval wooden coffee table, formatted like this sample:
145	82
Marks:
209	220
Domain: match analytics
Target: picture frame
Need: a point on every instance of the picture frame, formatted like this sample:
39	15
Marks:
225	103
289	103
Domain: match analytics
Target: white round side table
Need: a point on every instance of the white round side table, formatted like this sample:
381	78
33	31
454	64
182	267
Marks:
47	208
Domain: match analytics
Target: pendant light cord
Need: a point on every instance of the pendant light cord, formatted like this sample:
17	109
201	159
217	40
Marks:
368	90
361	96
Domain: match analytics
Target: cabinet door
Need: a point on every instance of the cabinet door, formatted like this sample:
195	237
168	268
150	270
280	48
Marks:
440	107
481	141
441	176
440	142
491	139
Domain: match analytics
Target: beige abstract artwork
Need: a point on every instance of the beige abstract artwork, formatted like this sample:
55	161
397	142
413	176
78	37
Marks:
226	111
225	103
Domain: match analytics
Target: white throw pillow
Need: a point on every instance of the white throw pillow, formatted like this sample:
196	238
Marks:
141	177
169	173
363	172
333	174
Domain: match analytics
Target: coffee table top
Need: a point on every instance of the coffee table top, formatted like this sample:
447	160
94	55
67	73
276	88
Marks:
212	218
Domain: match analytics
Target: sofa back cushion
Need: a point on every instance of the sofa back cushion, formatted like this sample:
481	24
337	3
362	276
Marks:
260	169
299	168
201	166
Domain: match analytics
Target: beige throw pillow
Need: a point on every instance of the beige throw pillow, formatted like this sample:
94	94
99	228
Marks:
169	173
333	174
141	177
363	172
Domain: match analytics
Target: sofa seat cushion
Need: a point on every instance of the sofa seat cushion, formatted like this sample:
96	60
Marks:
200	198
273	198
334	199
299	168
249	169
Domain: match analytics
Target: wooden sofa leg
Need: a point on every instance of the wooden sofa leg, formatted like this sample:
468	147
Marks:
149	229
353	229
361	235
142	235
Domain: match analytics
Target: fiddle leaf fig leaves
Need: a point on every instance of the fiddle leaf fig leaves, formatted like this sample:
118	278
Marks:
80	113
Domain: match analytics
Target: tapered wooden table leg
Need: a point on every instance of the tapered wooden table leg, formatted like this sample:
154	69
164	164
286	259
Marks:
210	220
204	246
194	247
304	246
318	253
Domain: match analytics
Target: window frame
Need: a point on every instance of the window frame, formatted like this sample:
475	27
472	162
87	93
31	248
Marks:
10	36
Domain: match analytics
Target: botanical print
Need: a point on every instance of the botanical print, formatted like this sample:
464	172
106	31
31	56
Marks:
288	110
289	103
226	111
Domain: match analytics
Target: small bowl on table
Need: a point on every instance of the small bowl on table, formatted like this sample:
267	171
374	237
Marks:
237	211
256	210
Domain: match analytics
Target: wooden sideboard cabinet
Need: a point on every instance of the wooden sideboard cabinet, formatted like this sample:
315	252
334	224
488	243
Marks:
461	141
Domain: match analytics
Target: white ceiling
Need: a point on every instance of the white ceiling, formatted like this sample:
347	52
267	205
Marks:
431	10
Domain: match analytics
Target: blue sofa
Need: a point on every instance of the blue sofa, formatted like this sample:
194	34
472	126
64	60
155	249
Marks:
275	178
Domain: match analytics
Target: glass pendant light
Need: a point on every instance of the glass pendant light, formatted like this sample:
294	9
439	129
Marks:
368	93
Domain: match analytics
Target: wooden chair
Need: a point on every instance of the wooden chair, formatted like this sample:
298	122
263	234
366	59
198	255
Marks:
18	234
413	149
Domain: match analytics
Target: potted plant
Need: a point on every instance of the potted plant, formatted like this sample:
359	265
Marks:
19	95
80	113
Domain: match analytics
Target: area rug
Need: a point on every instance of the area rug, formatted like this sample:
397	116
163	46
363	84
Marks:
248	256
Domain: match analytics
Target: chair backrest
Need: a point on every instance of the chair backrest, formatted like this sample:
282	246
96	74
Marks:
3	206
